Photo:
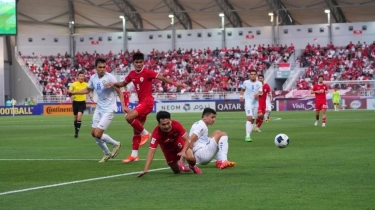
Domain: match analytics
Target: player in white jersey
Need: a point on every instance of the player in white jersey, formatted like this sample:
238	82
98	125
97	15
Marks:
268	108
106	108
250	91
206	147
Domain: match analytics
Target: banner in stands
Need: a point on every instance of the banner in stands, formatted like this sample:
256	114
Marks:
20	110
184	107
284	66
234	105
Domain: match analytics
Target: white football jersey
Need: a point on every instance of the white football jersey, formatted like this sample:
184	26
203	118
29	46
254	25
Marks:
106	100
200	129
251	88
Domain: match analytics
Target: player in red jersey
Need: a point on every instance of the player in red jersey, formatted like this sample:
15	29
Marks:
262	103
320	90
126	95
171	136
142	80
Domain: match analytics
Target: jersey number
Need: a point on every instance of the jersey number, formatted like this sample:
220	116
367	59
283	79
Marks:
98	87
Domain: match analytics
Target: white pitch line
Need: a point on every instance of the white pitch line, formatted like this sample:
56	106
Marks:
75	182
63	159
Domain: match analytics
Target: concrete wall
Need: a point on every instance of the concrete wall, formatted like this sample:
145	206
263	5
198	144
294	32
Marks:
299	35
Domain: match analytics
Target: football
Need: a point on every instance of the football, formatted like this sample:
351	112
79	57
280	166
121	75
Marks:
281	140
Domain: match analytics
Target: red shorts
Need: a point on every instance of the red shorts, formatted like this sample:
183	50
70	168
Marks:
262	110
172	158
320	105
126	103
171	154
144	109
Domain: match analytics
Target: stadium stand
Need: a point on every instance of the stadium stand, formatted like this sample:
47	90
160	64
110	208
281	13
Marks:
350	62
202	70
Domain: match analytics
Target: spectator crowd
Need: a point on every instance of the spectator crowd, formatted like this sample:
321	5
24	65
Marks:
202	70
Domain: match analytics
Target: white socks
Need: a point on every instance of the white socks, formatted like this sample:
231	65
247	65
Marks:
249	128
144	132
108	139
102	145
134	153
266	116
223	149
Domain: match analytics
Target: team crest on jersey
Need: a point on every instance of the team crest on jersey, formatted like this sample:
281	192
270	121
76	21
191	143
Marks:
141	79
175	134
104	82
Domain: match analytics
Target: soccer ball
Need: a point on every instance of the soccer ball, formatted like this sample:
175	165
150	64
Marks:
281	140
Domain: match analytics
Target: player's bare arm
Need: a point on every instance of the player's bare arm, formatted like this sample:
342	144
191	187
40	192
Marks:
90	96
116	84
169	81
241	95
125	109
186	146
270	96
150	157
189	144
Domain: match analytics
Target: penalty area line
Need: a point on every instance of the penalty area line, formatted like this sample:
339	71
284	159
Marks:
76	182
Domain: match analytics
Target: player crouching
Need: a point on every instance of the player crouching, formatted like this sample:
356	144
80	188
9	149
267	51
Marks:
205	147
171	136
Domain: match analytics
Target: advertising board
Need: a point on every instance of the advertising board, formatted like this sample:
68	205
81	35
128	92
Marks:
20	110
184	107
234	106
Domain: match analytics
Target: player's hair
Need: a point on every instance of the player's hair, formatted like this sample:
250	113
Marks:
207	111
321	76
163	115
138	56
261	75
99	60
80	72
252	70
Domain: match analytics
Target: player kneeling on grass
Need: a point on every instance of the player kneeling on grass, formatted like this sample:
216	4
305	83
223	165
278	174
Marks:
206	147
171	136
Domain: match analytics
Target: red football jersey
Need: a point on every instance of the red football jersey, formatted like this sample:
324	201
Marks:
142	83
168	141
321	95
262	99
126	95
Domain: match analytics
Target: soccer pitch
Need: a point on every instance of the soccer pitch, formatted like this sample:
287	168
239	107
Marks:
44	167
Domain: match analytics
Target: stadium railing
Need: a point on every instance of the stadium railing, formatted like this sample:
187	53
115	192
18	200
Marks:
157	96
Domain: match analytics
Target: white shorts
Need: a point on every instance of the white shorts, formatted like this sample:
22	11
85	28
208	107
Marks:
204	153
268	106
102	120
251	111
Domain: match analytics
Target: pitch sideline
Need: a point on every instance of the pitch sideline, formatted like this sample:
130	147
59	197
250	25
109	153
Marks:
66	159
75	182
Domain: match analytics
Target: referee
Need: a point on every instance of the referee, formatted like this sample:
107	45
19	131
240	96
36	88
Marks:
79	101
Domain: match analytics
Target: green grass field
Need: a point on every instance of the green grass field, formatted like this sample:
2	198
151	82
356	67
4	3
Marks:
43	167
